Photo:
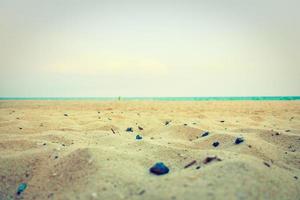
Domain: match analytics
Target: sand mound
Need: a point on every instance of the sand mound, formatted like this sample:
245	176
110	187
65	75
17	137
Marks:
88	154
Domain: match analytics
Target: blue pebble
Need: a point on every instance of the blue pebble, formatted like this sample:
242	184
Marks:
239	140
215	144
138	137
205	134
159	169
21	188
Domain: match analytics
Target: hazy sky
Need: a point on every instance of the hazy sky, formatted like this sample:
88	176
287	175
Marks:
149	48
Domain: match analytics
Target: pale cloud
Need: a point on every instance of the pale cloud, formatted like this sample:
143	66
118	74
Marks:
93	64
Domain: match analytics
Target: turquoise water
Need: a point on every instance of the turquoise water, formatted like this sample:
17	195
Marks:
248	98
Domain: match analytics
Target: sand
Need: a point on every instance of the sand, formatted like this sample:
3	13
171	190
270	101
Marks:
67	149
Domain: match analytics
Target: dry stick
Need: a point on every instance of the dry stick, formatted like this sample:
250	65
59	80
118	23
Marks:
113	131
190	164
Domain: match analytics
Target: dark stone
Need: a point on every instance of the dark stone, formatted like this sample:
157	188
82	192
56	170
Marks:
206	133
140	128
129	129
215	144
55	157
21	188
222	121
239	140
296	177
159	169
167	122
138	137
185	124
66	115
45	144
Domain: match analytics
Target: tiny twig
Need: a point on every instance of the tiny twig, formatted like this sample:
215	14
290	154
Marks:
190	164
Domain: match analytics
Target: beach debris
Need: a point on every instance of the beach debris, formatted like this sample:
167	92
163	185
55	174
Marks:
215	144
239	140
138	137
142	192
206	133
209	159
94	195
113	131
129	129
167	122
159	169
190	164
66	115
140	128
267	164
21	188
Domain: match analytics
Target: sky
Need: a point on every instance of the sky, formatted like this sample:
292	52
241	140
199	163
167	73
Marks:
106	48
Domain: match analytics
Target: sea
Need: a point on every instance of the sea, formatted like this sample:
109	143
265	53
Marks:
227	98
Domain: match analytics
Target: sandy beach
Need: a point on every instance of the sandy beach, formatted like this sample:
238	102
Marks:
81	149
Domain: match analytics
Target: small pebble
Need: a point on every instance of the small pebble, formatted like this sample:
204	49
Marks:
239	140
21	188
215	144
142	192
129	129
94	195
159	169
222	121
138	137
140	128
66	115
206	133
167	122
